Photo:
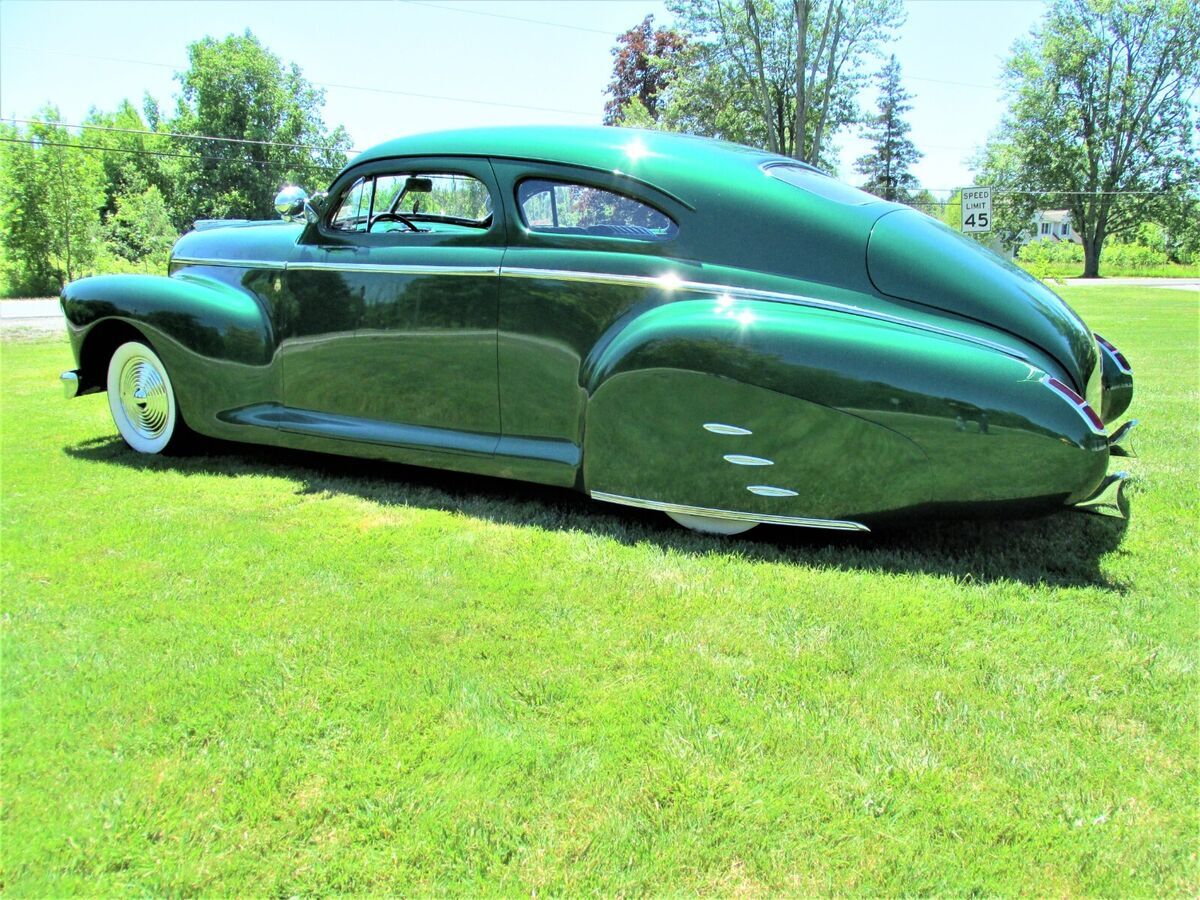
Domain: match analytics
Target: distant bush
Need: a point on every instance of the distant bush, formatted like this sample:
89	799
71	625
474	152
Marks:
1047	259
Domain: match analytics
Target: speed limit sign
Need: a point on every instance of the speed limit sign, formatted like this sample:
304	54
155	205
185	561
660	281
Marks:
976	209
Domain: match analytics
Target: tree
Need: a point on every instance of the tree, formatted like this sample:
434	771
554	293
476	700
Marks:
236	88
51	192
134	161
1100	118
139	228
641	70
782	75
888	165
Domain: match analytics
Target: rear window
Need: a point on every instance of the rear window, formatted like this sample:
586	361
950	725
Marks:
559	207
820	184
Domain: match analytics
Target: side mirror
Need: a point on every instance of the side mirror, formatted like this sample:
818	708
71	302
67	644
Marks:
292	204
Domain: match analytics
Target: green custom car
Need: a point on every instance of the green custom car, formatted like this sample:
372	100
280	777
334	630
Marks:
669	322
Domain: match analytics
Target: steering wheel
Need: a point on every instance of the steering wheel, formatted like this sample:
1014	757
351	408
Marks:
392	217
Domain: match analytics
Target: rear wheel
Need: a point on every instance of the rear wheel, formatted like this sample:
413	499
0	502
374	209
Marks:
142	400
712	524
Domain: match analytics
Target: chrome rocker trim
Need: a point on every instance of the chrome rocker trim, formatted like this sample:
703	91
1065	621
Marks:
1120	442
763	518
1109	498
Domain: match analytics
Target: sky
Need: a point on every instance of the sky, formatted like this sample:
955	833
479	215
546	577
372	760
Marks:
395	68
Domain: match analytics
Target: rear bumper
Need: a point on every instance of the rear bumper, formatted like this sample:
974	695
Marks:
1109	497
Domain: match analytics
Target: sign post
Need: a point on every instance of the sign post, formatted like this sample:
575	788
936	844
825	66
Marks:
976	209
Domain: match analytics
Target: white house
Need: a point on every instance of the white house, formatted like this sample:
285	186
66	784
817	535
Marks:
1052	225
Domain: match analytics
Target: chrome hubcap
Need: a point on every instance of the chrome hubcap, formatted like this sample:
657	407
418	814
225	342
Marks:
144	397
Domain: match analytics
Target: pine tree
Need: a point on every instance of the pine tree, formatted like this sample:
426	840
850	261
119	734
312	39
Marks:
887	165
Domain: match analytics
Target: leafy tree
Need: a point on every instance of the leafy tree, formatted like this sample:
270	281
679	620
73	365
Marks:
140	227
236	88
781	75
50	196
134	161
888	165
1100	116
641	70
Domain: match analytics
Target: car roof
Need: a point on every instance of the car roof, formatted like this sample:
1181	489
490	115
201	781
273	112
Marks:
672	162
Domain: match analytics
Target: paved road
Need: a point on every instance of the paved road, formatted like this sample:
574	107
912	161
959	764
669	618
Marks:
1178	284
44	315
36	315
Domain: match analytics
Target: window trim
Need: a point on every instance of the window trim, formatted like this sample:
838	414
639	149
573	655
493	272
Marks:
608	189
322	234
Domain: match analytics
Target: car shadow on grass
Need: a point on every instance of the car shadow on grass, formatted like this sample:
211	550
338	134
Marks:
1060	549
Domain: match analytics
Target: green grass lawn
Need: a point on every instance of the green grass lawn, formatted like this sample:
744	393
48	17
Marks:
272	673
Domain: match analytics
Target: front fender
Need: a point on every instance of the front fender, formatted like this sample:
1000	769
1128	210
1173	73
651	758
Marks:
207	317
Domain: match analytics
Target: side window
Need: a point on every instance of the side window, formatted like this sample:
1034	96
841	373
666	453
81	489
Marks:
555	207
411	202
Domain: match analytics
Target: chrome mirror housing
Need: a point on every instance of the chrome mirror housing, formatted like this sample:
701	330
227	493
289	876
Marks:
292	202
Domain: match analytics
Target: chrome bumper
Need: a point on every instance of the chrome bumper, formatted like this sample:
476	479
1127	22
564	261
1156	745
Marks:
1120	442
1109	498
70	383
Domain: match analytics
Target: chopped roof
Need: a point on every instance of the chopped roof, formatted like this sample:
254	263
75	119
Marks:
670	161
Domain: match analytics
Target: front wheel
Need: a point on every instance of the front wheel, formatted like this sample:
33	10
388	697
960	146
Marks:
142	400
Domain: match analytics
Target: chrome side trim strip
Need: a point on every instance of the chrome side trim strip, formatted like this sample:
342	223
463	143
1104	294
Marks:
231	263
369	268
797	521
718	428
385	269
739	460
768	490
669	281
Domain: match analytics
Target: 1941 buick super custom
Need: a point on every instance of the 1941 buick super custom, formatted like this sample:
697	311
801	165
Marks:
668	322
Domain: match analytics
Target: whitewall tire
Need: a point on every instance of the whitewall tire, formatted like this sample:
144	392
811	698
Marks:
711	524
142	399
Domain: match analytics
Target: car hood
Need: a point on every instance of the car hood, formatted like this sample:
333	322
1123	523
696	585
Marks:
270	241
915	258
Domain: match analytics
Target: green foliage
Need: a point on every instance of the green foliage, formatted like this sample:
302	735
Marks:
1100	118
51	194
291	675
114	197
140	227
236	88
775	74
888	166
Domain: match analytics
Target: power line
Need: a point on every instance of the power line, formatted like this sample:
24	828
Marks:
330	84
491	15
190	137
249	162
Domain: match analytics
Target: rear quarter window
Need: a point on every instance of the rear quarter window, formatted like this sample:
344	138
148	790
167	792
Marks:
561	207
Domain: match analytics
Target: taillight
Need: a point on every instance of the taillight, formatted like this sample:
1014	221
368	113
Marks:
1084	408
1117	355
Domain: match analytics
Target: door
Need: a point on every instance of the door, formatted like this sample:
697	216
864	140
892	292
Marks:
393	300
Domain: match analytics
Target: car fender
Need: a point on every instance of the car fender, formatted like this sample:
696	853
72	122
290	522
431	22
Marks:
856	414
215	337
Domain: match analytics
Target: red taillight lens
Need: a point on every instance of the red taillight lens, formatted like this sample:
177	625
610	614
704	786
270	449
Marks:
1078	402
1117	354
